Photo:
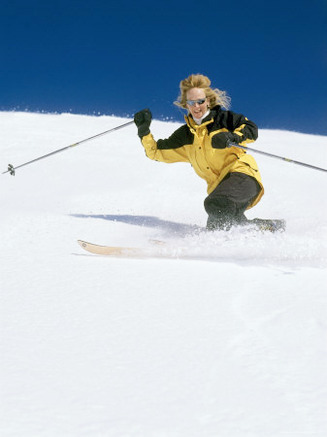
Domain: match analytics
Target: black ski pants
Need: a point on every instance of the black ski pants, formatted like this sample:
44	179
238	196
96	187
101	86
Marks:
226	204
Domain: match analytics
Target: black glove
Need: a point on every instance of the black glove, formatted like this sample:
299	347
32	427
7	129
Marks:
223	139
142	119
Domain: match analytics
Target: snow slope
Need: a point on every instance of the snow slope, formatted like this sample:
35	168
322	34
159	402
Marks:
230	342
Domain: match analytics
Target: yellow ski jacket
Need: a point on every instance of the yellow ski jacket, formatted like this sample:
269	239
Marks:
192	143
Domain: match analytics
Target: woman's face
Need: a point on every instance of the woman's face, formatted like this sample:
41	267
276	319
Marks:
197	109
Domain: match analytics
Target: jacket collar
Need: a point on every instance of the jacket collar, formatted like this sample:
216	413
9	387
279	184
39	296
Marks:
207	120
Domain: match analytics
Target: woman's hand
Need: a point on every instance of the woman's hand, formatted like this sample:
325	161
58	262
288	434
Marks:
224	139
142	119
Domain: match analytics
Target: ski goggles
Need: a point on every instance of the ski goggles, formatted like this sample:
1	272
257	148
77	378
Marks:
193	102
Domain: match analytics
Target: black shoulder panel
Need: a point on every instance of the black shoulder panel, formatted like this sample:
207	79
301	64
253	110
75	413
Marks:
231	120
181	137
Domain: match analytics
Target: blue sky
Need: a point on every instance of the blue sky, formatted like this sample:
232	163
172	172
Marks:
104	57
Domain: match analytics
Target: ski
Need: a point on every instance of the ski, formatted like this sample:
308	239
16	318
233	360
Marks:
114	251
258	225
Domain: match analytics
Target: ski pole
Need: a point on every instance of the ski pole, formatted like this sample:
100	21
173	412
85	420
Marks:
277	156
12	169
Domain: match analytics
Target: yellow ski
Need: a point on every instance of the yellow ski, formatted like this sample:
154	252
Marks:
114	251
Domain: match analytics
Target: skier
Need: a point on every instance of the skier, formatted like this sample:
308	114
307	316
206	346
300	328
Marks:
233	179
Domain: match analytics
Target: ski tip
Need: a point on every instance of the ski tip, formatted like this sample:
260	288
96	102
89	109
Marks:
122	251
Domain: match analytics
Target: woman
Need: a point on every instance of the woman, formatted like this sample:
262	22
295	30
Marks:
233	178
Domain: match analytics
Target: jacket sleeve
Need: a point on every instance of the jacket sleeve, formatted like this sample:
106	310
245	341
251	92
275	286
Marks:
245	129
172	149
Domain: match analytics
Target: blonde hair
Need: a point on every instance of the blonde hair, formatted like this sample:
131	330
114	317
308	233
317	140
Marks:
215	96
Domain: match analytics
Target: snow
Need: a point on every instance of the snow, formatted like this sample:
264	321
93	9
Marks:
228	340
